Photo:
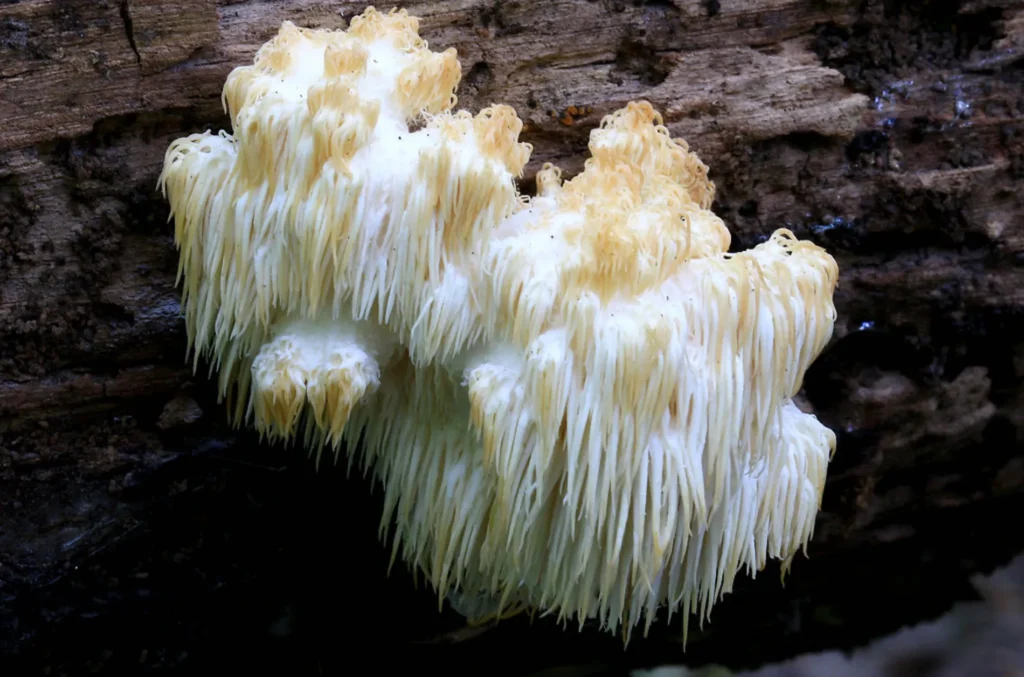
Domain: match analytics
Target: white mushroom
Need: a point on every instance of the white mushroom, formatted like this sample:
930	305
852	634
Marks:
578	403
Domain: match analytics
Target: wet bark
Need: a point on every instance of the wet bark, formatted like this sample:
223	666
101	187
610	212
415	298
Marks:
136	529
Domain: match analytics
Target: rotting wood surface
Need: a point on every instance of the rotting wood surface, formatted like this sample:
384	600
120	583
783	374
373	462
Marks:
889	133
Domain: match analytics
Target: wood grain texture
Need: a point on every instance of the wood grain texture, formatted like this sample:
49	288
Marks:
891	133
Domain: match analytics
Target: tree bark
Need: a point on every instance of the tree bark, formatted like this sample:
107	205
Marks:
137	529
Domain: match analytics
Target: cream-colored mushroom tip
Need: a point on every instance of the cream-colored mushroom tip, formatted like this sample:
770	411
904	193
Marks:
578	403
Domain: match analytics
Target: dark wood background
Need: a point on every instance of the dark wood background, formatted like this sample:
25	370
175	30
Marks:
137	531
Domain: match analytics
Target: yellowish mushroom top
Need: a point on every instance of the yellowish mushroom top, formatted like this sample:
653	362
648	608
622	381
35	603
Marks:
577	401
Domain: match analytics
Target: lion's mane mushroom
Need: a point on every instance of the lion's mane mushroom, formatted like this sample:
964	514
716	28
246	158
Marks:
578	402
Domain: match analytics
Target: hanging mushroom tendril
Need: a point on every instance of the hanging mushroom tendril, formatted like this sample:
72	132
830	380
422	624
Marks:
578	403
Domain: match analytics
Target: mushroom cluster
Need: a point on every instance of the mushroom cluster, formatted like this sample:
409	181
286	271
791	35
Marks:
578	402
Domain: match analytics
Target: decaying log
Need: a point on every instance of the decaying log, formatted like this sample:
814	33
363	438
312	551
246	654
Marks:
137	530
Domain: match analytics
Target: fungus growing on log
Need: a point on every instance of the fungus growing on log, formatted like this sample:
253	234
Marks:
578	403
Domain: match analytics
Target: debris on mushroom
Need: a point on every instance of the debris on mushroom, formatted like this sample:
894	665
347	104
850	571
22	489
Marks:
579	402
